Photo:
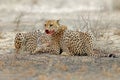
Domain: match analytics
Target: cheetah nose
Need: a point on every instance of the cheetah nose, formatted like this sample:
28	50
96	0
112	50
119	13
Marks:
47	31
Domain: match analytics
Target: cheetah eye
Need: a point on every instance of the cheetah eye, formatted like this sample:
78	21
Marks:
44	24
51	25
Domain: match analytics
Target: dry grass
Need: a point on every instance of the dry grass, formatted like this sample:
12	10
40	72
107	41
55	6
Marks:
34	2
1	35
117	32
116	5
2	64
18	19
99	30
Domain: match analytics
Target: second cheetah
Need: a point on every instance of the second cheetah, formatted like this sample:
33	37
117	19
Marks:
30	41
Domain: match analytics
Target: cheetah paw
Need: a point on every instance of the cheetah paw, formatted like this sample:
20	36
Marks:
64	54
34	52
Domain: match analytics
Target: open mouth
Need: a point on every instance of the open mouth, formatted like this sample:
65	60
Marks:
49	32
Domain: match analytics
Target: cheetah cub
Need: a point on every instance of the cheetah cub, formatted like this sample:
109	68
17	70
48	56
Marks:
30	41
71	42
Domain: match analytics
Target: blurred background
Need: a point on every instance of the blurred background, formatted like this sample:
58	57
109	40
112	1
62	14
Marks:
58	6
25	13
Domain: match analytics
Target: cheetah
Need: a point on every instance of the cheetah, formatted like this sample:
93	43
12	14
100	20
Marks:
71	42
30	41
54	46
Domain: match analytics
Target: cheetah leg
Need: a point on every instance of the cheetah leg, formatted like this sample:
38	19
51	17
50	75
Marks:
17	51
47	48
66	51
42	48
55	49
90	52
66	54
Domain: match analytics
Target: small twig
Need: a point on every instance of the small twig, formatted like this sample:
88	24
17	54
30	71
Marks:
17	20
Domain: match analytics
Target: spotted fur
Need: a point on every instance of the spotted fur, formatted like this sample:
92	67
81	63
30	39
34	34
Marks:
71	42
30	41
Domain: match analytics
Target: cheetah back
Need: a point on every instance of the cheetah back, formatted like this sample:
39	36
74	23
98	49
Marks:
78	43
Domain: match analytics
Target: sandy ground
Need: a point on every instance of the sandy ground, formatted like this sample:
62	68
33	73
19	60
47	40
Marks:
52	67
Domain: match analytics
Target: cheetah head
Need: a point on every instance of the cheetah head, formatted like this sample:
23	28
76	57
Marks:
18	40
51	26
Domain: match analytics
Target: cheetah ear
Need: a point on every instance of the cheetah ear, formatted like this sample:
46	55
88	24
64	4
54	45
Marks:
64	27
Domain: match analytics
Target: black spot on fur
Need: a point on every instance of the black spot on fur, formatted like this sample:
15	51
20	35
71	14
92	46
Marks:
113	55
61	50
85	54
